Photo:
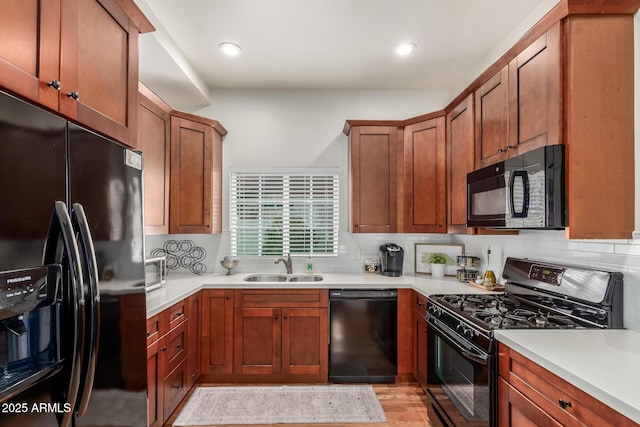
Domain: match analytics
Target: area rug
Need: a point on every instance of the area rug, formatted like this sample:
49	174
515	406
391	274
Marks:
281	405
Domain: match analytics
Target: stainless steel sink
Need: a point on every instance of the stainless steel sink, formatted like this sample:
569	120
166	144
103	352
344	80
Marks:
266	278
306	278
282	278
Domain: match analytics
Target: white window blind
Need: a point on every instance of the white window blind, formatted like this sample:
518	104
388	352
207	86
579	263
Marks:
278	213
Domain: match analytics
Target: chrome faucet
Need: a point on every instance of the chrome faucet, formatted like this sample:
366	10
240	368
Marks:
287	263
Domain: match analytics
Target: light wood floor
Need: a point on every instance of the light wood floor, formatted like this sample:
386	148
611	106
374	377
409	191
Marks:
403	404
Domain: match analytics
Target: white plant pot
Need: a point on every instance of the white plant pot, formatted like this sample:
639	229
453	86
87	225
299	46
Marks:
437	270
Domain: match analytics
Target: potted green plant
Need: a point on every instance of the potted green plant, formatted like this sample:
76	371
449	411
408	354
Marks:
438	262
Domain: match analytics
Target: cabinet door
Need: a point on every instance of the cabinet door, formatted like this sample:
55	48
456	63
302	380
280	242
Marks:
155	390
424	177
194	334
534	92
256	341
99	63
154	142
373	168
305	341
175	389
460	158
514	409
420	348
492	120
29	49
191	177
217	331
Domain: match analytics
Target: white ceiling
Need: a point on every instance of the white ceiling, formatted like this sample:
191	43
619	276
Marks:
319	44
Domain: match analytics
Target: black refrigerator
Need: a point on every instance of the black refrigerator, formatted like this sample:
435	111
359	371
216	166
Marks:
72	298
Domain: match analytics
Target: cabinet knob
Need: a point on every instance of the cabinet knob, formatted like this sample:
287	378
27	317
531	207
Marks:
501	150
148	334
177	387
564	404
355	225
163	348
75	95
54	84
285	317
276	317
228	297
510	147
439	225
178	346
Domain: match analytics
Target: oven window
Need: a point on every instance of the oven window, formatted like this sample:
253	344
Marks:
489	202
463	381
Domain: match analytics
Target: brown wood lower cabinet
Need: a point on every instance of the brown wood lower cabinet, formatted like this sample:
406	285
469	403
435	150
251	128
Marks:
530	395
168	356
420	339
281	335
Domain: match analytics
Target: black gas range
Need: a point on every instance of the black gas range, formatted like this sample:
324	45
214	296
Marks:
462	352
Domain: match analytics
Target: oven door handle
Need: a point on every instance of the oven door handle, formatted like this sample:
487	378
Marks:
479	358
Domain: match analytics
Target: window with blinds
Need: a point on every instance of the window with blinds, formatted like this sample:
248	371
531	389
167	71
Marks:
278	213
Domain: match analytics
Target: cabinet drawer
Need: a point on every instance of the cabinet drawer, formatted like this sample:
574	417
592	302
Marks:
172	316
175	388
420	303
176	314
175	346
153	329
564	402
281	298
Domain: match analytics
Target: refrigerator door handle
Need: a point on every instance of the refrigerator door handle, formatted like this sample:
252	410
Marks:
89	359
61	226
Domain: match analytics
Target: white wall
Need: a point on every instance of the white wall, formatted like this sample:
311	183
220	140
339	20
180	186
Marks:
304	129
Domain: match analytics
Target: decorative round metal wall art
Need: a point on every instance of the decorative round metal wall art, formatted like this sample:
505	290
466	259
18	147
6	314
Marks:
183	254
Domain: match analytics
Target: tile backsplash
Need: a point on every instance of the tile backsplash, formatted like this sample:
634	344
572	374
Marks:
552	246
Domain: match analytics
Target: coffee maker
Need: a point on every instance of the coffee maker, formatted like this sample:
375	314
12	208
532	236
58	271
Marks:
391	258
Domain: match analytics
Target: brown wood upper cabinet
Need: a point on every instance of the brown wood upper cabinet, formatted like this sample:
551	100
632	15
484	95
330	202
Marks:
373	153
196	174
79	58
460	160
535	95
424	177
519	108
155	143
492	120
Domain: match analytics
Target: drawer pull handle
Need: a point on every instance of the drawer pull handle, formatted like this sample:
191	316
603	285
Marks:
177	387
564	404
163	348
178	314
54	84
148	334
178	346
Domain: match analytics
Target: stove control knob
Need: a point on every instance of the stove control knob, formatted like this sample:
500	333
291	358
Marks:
470	333
436	311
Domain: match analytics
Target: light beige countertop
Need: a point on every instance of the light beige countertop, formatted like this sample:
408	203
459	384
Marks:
602	363
180	286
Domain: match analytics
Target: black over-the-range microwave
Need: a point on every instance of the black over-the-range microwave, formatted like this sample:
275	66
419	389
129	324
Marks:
525	191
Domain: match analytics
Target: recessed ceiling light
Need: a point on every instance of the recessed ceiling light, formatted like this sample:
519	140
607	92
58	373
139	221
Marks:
230	49
405	49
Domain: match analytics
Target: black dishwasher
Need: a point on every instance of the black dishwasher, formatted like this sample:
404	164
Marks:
363	335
